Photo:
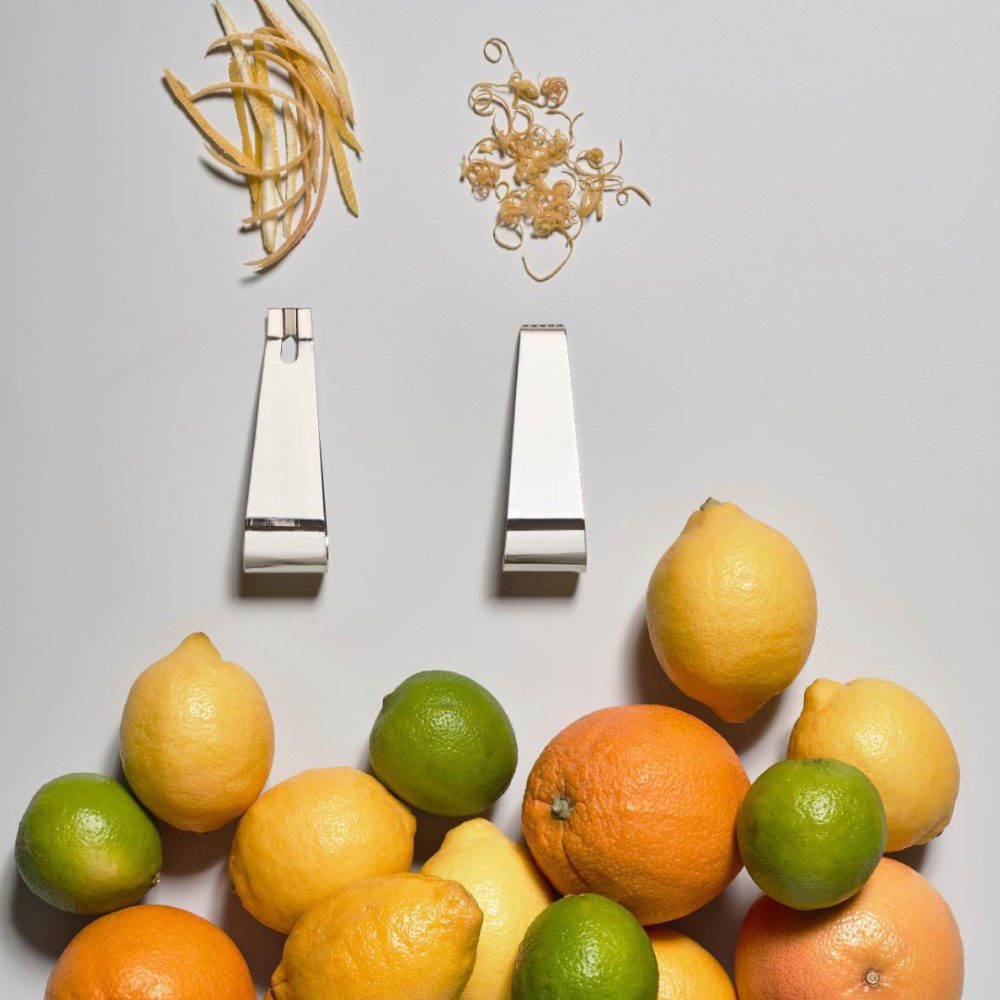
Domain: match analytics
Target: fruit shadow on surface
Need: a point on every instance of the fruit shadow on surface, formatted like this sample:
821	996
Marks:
914	857
113	762
41	927
261	947
650	685
191	853
514	585
716	926
431	831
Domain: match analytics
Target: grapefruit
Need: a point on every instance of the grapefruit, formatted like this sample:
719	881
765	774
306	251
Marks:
896	940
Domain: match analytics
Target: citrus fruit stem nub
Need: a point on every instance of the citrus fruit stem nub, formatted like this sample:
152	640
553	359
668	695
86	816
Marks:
561	807
872	977
710	502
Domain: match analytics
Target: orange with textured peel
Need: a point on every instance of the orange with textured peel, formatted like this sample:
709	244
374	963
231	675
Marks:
151	951
896	939
639	804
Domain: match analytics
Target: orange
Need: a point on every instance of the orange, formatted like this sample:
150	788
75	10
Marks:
896	939
639	804
151	951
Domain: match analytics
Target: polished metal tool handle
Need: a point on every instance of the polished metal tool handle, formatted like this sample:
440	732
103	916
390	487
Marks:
546	529
285	529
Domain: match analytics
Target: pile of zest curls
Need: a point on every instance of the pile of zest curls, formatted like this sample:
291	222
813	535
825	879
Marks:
514	162
294	115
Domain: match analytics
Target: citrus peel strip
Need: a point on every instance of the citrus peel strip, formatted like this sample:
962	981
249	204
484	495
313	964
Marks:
263	113
183	97
290	122
263	77
243	121
313	23
245	169
318	72
283	31
344	174
293	114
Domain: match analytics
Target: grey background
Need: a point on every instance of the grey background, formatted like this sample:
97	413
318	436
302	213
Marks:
805	322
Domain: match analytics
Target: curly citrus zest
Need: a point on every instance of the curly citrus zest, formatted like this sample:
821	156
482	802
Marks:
514	162
570	244
494	49
555	90
524	90
482	175
622	195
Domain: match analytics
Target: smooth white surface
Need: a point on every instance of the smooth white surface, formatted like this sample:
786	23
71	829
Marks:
805	322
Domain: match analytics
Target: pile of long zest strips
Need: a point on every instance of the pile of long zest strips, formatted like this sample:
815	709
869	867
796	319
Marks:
294	115
514	163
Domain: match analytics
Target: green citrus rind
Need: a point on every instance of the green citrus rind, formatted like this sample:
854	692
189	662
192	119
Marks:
85	845
585	947
811	832
444	744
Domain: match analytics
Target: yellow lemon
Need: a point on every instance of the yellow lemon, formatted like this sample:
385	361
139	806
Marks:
896	740
731	610
687	971
509	889
197	739
385	938
312	834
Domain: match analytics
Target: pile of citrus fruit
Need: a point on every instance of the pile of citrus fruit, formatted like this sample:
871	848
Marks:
632	817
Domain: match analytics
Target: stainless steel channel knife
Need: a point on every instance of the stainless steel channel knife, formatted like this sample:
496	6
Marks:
546	529
286	529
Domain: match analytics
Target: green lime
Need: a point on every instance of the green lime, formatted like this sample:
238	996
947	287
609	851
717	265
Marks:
444	744
85	845
585	948
811	832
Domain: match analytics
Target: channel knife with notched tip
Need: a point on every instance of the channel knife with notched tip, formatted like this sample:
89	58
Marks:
285	529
